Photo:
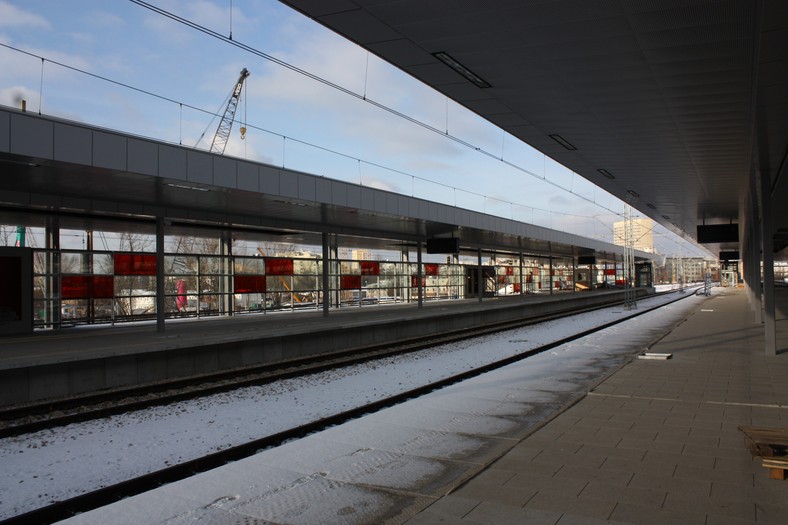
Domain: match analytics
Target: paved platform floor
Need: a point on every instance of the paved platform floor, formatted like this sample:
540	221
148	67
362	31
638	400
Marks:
657	442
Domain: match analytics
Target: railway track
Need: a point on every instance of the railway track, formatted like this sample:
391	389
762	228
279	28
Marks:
27	418
63	509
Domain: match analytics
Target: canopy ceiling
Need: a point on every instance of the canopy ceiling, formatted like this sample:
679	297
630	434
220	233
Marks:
675	106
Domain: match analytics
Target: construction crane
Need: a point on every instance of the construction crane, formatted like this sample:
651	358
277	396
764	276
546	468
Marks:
223	131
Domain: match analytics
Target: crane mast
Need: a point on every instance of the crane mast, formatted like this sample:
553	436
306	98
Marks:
223	131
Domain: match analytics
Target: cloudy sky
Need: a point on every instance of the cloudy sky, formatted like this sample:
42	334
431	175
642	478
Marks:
117	64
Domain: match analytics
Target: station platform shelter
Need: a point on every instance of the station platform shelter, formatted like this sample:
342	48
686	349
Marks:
111	229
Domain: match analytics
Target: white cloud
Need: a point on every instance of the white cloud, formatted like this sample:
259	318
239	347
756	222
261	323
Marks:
12	16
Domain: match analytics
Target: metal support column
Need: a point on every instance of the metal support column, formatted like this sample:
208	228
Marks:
480	275
333	282
550	275
770	325
160	304
403	280
574	273
419	275
228	268
326	282
53	304
522	287
752	273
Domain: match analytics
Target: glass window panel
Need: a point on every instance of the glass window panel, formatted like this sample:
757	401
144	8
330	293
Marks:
211	265
249	265
180	265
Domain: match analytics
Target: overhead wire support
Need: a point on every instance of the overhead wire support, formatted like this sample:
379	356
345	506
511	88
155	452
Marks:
225	125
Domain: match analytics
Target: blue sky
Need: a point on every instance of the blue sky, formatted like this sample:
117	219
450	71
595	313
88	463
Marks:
356	141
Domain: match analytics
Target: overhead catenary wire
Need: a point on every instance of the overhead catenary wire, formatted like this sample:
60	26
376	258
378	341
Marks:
345	90
216	114
352	93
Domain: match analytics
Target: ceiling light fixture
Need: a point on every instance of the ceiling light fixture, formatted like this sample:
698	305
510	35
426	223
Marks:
666	217
462	70
562	141
186	187
651	206
606	174
634	193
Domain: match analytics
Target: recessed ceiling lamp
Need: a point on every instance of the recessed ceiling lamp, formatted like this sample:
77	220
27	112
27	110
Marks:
462	70
186	187
666	217
634	193
606	174
562	141
651	206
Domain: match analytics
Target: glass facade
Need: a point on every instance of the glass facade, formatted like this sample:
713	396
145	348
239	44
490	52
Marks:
85	277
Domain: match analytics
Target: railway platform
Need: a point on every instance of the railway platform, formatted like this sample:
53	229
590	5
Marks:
86	359
653	441
657	442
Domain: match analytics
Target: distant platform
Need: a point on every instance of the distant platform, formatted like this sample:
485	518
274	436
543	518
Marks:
88	359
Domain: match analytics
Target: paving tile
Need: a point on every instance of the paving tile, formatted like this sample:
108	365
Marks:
672	434
571	519
738	464
580	506
772	513
674	447
492	476
688	487
451	506
727	520
687	460
566	486
615	477
496	514
645	434
719	452
543	443
516	456
503	494
710	474
648	497
606	452
639	514
555	459
632	465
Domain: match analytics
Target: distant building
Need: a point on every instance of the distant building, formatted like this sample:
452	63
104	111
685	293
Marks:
687	269
642	234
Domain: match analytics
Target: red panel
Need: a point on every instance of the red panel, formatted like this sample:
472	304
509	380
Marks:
278	266
621	282
509	270
249	283
134	264
103	287
74	286
87	287
529	278
516	287
610	271
414	281
431	269
501	279
370	268
350	282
